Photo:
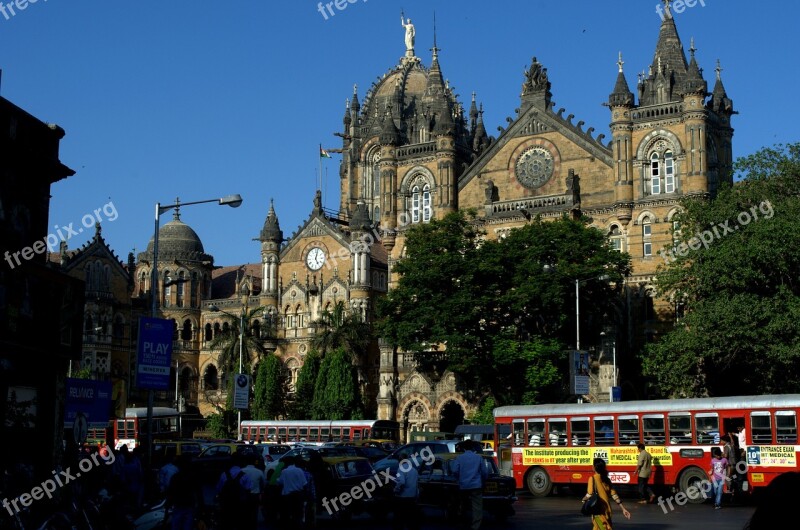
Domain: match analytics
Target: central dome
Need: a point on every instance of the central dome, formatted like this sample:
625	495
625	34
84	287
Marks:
176	240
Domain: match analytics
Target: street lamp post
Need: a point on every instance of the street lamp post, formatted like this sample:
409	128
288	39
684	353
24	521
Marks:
216	309
234	201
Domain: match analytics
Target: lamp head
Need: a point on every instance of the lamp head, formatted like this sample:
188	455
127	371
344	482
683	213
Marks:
234	201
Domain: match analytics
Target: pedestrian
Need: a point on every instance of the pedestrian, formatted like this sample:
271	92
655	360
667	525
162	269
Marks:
258	481
184	495
233	490
471	471
166	473
293	483
606	493
740	434
310	496
133	481
406	492
718	475
644	468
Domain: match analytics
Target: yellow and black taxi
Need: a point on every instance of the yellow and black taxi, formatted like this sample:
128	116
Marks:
438	487
347	486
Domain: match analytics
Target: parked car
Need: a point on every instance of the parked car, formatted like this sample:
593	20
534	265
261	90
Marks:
386	445
373	454
343	475
272	452
392	461
216	458
304	453
438	487
165	449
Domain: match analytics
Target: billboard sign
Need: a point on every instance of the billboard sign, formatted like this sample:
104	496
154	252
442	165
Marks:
154	353
87	399
579	372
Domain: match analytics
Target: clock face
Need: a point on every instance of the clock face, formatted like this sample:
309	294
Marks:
534	167
315	258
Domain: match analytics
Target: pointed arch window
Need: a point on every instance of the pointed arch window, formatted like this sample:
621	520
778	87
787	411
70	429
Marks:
179	288
647	232
615	238
421	209
655	174
186	331
669	173
208	332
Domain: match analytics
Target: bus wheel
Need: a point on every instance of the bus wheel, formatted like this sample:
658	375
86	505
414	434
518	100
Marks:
693	477
539	483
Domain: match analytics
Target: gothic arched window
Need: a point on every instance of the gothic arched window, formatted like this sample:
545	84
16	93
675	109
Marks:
655	174
208	332
647	232
186	332
615	238
415	204
663	170
426	203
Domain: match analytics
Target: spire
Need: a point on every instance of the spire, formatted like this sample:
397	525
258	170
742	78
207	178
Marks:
473	114
481	140
694	77
354	106
622	95
360	220
346	120
389	133
435	49
272	228
669	67
720	102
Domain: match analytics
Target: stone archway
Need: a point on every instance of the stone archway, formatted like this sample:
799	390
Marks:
451	410
415	415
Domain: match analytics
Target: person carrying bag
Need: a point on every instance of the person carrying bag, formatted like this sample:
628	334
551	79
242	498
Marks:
600	485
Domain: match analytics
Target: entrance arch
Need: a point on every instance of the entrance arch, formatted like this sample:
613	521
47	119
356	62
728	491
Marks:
452	411
415	415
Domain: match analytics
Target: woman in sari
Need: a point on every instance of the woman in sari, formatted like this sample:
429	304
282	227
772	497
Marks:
606	492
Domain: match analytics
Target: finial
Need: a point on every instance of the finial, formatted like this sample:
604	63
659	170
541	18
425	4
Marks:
473	96
667	6
692	49
718	69
347	104
177	215
355	89
620	62
97	230
435	48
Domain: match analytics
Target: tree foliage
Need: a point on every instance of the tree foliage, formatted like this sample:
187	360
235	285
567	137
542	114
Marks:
304	388
740	288
489	310
336	395
270	390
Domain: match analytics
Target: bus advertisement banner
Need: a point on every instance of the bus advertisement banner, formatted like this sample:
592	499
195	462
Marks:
89	398
772	455
583	456
154	353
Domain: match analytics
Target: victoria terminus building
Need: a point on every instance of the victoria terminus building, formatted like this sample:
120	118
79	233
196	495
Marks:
411	153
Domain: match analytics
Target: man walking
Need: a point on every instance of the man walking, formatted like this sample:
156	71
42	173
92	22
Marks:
406	492
293	483
644	467
470	469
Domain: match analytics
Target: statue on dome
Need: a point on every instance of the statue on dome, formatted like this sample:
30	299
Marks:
410	33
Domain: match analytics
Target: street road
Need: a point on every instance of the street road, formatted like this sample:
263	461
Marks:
560	512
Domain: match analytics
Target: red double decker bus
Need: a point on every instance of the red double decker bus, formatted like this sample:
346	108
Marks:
552	445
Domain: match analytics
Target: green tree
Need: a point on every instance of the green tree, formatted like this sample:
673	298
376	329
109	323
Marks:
269	389
484	415
304	388
735	270
219	425
508	303
339	328
336	395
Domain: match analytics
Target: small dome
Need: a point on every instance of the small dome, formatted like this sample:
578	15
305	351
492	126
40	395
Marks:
176	240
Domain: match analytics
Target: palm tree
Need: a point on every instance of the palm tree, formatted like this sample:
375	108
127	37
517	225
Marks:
227	342
338	328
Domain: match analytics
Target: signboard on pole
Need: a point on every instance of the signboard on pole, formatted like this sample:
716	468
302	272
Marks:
579	372
616	393
154	353
87	404
241	393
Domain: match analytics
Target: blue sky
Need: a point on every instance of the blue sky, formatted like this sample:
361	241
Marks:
199	99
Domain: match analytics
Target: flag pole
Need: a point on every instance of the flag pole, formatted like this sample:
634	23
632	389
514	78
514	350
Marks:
319	176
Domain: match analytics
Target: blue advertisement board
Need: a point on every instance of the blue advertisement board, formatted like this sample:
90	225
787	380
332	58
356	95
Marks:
154	353
89	398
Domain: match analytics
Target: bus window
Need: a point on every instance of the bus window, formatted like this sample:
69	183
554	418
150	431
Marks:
628	428
707	427
345	434
121	429
282	434
653	427
580	431
760	427
313	434
680	428
324	432
786	426
130	428
303	433
262	433
518	432
557	432
535	432
336	432
292	434
272	432
604	431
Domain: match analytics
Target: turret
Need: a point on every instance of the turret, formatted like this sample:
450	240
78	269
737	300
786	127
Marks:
271	238
695	118
620	101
